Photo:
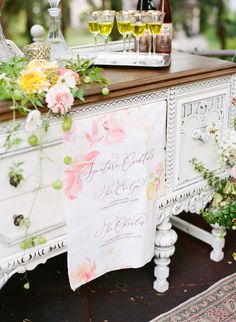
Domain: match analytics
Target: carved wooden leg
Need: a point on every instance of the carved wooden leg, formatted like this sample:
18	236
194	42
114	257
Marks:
164	248
218	243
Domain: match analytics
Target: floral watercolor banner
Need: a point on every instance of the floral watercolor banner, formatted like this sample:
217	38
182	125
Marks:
113	174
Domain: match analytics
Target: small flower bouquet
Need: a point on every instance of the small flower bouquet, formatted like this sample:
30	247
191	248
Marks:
222	209
44	84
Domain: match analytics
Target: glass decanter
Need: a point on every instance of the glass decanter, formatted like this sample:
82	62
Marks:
60	50
5	51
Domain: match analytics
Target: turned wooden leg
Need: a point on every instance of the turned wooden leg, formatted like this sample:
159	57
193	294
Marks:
164	248
217	243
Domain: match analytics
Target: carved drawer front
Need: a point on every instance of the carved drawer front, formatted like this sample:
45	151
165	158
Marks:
44	210
37	168
197	114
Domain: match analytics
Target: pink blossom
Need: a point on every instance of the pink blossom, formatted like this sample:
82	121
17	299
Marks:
115	133
84	272
159	168
93	137
233	172
73	183
75	173
62	71
59	99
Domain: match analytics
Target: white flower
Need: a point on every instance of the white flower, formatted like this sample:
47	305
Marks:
33	121
67	79
4	78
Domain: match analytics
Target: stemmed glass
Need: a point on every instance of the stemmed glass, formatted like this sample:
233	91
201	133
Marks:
123	25
138	26
92	19
105	25
154	24
131	12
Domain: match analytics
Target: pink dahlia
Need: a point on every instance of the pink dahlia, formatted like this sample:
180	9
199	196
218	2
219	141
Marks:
59	99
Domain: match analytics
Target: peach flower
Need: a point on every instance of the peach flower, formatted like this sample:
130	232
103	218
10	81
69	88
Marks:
84	272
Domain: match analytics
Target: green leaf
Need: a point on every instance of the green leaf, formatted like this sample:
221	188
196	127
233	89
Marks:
78	93
45	125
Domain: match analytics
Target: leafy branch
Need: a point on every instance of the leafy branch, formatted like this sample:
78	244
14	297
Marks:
212	179
87	71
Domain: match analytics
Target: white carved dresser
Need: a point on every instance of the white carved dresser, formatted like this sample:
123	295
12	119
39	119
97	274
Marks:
198	92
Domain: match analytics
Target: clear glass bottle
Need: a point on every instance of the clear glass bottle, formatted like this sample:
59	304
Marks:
164	39
60	50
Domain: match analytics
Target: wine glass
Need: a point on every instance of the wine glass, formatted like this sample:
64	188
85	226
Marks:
123	25
131	12
138	26
92	19
154	24
105	25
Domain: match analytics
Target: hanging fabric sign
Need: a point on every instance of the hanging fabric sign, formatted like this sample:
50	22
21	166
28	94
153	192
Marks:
113	173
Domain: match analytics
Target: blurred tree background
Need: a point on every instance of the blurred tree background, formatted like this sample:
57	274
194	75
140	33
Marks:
217	21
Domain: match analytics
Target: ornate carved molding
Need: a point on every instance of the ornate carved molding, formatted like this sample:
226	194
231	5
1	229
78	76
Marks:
200	109
106	106
117	104
232	109
202	85
170	139
28	260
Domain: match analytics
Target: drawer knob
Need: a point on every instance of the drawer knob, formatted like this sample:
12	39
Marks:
17	219
202	134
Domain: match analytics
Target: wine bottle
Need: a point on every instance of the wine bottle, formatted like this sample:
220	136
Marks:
145	5
145	40
164	39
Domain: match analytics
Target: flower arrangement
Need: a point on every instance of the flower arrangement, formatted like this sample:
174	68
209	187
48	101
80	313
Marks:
45	84
222	208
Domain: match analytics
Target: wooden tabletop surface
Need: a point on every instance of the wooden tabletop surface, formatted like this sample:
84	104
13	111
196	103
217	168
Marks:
124	81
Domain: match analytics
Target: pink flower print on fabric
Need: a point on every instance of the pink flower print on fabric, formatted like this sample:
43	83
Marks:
84	272
59	99
114	131
93	137
75	172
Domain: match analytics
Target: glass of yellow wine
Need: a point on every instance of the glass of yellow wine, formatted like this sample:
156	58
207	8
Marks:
138	27
154	22
131	12
92	19
105	25
123	25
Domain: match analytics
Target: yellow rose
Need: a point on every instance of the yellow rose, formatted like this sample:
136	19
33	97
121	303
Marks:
32	81
35	63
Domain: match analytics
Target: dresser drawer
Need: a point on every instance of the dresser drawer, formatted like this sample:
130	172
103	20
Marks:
37	167
44	209
196	114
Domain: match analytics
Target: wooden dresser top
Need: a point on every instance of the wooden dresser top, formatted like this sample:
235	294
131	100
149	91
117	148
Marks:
184	68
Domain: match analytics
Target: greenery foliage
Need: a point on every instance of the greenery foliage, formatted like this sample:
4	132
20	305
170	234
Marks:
222	209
